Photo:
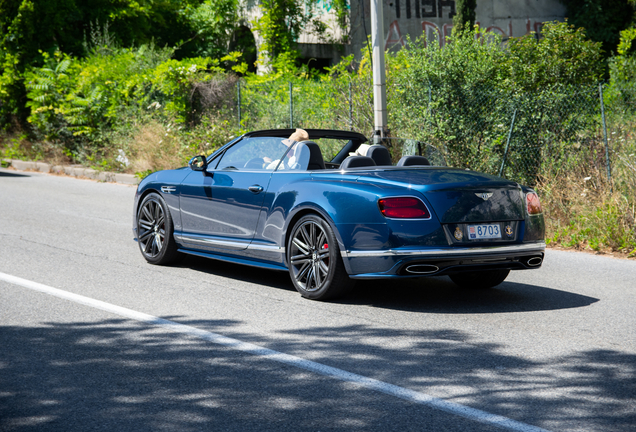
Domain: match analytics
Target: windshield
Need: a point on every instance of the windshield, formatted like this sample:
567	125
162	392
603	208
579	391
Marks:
412	147
253	153
279	153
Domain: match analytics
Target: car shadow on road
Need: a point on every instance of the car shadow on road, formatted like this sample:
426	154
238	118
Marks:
269	278
428	295
441	295
4	173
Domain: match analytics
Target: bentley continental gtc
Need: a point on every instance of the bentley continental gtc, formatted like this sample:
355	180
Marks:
332	209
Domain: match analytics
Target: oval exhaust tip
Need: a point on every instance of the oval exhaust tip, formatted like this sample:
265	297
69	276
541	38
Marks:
422	268
536	261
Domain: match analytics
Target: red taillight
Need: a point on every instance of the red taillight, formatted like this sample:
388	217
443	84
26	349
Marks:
404	208
533	204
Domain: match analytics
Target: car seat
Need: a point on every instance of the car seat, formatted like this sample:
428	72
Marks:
413	161
357	162
379	154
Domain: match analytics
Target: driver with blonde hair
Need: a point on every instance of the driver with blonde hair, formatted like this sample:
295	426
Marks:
297	136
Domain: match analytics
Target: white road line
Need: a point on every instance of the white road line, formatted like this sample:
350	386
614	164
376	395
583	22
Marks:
339	374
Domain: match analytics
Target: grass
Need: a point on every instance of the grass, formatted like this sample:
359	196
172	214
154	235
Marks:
586	211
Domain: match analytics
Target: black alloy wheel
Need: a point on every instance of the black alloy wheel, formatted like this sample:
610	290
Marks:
154	231
315	264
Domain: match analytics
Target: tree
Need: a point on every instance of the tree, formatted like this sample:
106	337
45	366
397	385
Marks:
562	56
283	21
465	16
603	20
30	28
279	26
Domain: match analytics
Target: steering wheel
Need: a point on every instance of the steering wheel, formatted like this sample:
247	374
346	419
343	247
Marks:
254	163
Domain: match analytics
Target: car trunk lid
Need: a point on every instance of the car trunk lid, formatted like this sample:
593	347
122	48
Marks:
458	196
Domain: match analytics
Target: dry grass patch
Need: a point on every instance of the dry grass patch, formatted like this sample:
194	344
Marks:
585	212
155	147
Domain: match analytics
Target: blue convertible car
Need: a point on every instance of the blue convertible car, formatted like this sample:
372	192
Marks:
329	213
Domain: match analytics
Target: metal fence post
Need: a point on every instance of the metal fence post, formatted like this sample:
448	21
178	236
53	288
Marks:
512	125
238	103
291	106
429	103
350	108
607	159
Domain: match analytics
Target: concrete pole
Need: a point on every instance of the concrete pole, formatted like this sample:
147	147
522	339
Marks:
379	74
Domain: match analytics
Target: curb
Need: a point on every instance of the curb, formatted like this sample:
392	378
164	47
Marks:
73	170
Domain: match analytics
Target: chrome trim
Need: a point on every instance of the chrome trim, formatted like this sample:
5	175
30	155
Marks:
229	243
168	189
211	242
491	260
533	247
266	248
431	269
484	195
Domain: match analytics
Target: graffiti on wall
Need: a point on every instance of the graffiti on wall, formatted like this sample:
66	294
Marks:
426	9
432	31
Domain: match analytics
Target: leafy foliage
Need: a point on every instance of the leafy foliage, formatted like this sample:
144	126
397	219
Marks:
211	23
48	88
30	28
472	95
623	71
283	21
562	56
76	102
342	10
465	15
603	20
279	26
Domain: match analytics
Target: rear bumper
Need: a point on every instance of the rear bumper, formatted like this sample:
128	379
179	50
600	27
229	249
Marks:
409	262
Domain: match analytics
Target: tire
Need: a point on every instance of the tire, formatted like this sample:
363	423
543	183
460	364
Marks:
315	264
480	279
154	231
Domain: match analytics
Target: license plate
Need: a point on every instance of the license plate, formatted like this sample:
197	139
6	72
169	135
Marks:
484	231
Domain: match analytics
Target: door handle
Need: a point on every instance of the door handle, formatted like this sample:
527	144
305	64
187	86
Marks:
256	189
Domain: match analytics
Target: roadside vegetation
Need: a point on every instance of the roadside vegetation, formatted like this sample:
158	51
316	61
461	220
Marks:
104	97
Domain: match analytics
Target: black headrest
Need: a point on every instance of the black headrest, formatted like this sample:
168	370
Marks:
379	154
357	162
413	160
309	156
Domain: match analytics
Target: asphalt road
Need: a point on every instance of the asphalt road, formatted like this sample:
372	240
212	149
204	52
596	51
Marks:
129	346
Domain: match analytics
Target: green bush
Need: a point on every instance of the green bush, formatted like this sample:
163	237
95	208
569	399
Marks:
462	98
78	103
622	89
562	56
29	28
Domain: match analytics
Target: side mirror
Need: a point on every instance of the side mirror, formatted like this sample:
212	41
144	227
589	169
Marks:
198	163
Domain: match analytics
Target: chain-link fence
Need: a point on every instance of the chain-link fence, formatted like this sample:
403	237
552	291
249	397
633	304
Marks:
517	135
513	135
619	113
311	104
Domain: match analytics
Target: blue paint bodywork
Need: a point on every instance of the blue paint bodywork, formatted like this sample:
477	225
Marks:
215	214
